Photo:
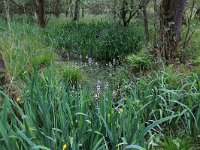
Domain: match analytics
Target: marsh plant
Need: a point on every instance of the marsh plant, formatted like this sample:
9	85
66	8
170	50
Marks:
52	116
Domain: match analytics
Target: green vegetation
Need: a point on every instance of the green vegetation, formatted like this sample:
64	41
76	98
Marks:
73	74
140	61
75	118
102	41
97	83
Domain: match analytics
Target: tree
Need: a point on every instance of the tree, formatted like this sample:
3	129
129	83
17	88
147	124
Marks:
7	11
2	71
128	9
57	8
69	8
83	11
40	12
77	10
198	13
146	28
114	9
170	28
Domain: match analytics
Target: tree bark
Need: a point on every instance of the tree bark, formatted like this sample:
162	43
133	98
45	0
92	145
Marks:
40	12
83	11
7	12
114	5
156	23
69	9
2	71
123	13
57	8
145	16
198	13
77	10
170	28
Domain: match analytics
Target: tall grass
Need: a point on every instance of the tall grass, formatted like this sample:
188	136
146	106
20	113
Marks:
52	114
22	45
100	40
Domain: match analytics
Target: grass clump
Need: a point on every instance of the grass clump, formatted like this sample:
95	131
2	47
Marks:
177	144
43	60
72	74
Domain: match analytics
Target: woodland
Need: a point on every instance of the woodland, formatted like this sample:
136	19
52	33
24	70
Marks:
99	74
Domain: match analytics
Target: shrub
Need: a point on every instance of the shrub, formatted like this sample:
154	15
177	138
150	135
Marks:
140	61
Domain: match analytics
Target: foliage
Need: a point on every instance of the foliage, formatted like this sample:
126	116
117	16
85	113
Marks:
177	144
127	113
100	40
72	74
43	60
74	118
196	61
23	48
196	70
140	61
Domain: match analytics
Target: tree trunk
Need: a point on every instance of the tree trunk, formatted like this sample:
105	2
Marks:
2	71
146	28
40	12
3	80
7	12
198	13
114	5
156	24
170	28
69	8
57	8
77	10
83	11
123	13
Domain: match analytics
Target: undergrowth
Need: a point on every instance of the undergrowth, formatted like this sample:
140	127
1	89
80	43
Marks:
55	109
102	41
53	114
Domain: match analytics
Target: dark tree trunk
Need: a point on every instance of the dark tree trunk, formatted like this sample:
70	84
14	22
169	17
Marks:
40	12
156	22
71	10
146	28
170	28
83	12
123	13
198	13
2	71
77	10
57	8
